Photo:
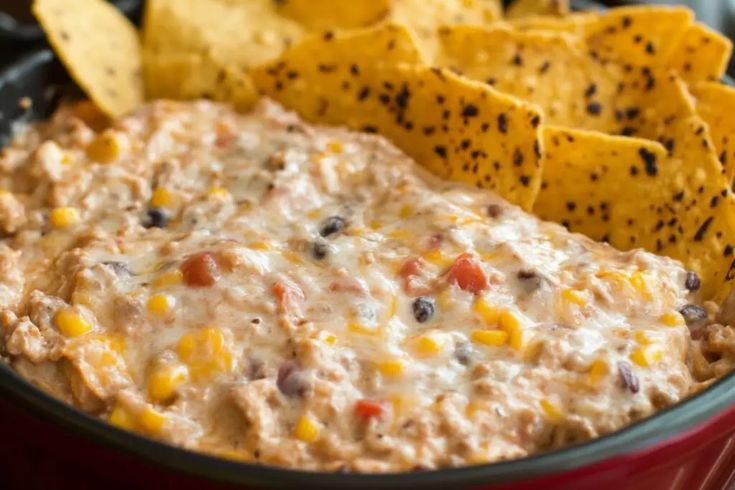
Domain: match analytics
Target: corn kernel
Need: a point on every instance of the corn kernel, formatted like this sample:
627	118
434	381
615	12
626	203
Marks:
375	224
646	356
427	346
151	420
63	217
489	313
672	319
478	458
261	245
119	417
160	304
444	300
205	352
161	197
642	337
218	192
292	257
335	146
639	282
71	323
490	337
597	370
330	339
391	368
170	278
165	380
313	214
399	234
405	211
550	409
362	329
393	307
438	258
306	429
574	296
4	191
107	147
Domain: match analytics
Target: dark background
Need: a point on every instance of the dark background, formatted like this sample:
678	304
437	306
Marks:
18	32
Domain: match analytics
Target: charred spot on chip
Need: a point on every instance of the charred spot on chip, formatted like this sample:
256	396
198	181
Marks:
441	151
594	108
590	90
517	60
649	161
650	49
702	230
503	122
470	110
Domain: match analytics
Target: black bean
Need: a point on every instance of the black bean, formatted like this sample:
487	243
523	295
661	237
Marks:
627	378
156	218
319	250
291	381
494	210
692	282
530	280
463	353
694	315
120	269
423	308
332	225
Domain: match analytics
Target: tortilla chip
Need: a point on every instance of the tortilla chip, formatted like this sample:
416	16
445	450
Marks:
99	47
242	33
424	17
187	76
701	54
638	35
529	8
574	23
456	128
334	14
629	192
716	105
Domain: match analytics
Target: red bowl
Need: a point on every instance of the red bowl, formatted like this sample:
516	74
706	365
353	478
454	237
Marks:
47	444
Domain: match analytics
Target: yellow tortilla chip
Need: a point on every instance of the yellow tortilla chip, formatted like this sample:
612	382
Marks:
99	47
574	23
231	33
701	54
334	14
188	76
716	105
638	35
456	128
574	89
529	8
424	17
633	193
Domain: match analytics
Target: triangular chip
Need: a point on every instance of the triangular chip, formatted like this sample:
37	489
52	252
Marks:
716	105
574	23
242	33
334	14
630	192
575	89
638	35
186	76
99	47
456	128
701	54
529	8
424	17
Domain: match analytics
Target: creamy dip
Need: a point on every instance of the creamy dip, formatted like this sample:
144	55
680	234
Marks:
265	290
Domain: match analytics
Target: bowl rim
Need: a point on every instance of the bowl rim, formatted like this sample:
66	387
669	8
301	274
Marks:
665	425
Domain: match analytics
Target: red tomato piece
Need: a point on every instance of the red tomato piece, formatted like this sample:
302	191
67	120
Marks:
288	295
200	270
411	267
467	273
367	409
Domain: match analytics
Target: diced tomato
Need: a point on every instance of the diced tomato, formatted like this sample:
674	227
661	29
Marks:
367	409
411	267
200	270
467	273
347	285
289	296
225	136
